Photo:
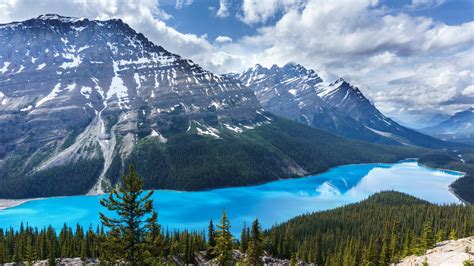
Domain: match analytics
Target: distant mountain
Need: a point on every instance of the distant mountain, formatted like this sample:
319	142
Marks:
83	99
299	94
459	127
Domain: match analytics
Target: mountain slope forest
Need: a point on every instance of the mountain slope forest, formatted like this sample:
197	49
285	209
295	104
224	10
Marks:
188	161
377	231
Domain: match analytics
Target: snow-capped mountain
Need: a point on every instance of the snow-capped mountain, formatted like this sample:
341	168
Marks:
297	93
458	127
81	100
74	89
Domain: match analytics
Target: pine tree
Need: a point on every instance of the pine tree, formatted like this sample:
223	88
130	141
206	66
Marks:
29	252
52	256
223	249
394	252
465	229
426	238
243	239
453	235
154	243
440	236
135	211
293	260
384	258
255	247
211	240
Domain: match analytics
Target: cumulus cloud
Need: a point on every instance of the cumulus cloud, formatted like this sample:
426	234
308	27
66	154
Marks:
398	60
223	10
223	39
257	11
468	91
403	63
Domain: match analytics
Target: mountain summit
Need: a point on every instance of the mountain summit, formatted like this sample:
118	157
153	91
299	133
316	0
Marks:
297	93
83	99
74	89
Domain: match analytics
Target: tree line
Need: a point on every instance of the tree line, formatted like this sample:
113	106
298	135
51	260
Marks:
378	231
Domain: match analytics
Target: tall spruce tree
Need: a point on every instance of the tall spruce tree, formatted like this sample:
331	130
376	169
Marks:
134	210
255	247
211	240
244	239
223	249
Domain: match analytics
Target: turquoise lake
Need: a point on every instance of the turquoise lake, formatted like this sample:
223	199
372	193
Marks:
272	202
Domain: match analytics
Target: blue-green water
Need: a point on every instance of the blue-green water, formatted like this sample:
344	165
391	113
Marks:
271	202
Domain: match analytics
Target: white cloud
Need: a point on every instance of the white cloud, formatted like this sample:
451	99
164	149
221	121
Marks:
223	39
258	11
426	3
468	91
182	3
223	10
403	63
362	43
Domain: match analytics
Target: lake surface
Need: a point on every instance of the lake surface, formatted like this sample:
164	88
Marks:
272	202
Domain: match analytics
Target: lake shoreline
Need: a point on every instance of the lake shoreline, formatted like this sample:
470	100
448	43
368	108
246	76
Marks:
10	203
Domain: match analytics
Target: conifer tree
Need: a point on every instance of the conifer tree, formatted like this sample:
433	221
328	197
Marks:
243	239
465	229
255	246
394	251
453	235
223	249
135	211
384	258
440	236
211	240
293	260
426	238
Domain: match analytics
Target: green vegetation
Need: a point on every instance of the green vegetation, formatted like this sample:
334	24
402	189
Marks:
68	179
188	161
136	219
377	231
270	152
380	230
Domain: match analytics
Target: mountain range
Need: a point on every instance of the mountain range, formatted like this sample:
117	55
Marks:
81	100
300	94
458	127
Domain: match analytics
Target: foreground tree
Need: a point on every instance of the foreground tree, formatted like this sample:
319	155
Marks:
135	217
223	249
211	240
255	246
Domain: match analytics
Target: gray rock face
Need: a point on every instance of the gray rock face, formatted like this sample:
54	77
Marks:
76	89
297	93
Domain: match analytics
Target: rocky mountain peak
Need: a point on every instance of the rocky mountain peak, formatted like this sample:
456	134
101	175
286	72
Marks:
71	83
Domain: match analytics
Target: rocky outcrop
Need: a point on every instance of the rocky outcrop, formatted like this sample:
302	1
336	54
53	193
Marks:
451	252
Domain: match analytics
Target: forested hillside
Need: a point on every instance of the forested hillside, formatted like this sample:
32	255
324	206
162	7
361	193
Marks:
377	231
273	151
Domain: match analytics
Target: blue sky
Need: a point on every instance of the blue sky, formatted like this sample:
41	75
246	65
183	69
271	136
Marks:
199	16
409	57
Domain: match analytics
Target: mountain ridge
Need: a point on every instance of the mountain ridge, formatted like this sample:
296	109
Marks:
299	94
458	127
83	99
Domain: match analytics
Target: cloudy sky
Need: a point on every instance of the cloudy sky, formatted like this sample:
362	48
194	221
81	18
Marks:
410	57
